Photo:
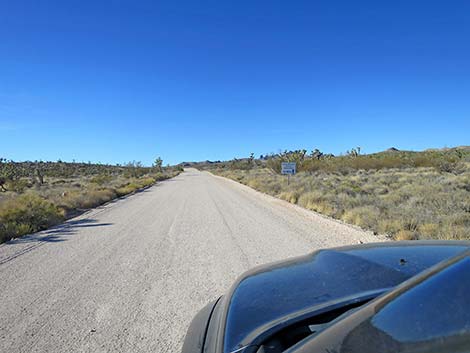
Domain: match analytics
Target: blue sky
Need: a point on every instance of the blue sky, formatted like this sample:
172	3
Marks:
114	81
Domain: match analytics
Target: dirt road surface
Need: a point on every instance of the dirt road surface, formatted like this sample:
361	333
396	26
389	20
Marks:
130	275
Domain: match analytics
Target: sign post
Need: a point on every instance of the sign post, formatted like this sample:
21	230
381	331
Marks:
288	168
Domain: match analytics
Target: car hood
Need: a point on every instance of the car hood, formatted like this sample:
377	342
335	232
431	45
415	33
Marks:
271	297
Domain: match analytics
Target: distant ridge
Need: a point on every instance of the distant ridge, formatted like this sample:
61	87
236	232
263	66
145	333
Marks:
465	148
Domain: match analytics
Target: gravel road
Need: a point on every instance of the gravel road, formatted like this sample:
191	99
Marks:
130	275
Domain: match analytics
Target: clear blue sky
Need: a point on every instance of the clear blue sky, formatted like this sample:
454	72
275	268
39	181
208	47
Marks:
114	81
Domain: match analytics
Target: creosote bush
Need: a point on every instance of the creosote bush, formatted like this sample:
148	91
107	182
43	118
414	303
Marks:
27	214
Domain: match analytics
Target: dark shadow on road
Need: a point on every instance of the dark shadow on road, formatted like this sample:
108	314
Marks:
140	191
58	233
55	234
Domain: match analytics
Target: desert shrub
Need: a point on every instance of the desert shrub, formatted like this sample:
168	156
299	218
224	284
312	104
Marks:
101	179
323	207
134	185
405	235
428	230
126	189
241	164
158	177
18	185
389	226
143	182
364	216
26	214
311	199
255	184
454	232
134	170
87	198
290	196
450	167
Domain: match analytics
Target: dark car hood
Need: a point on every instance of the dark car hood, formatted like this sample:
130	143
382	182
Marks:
268	297
427	314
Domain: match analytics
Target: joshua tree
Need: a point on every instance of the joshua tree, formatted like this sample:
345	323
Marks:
354	152
158	164
40	176
8	172
316	154
252	158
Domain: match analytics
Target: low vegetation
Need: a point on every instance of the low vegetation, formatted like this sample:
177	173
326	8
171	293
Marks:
406	195
37	195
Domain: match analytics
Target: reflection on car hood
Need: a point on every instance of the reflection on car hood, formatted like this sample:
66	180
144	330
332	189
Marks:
428	314
270	293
